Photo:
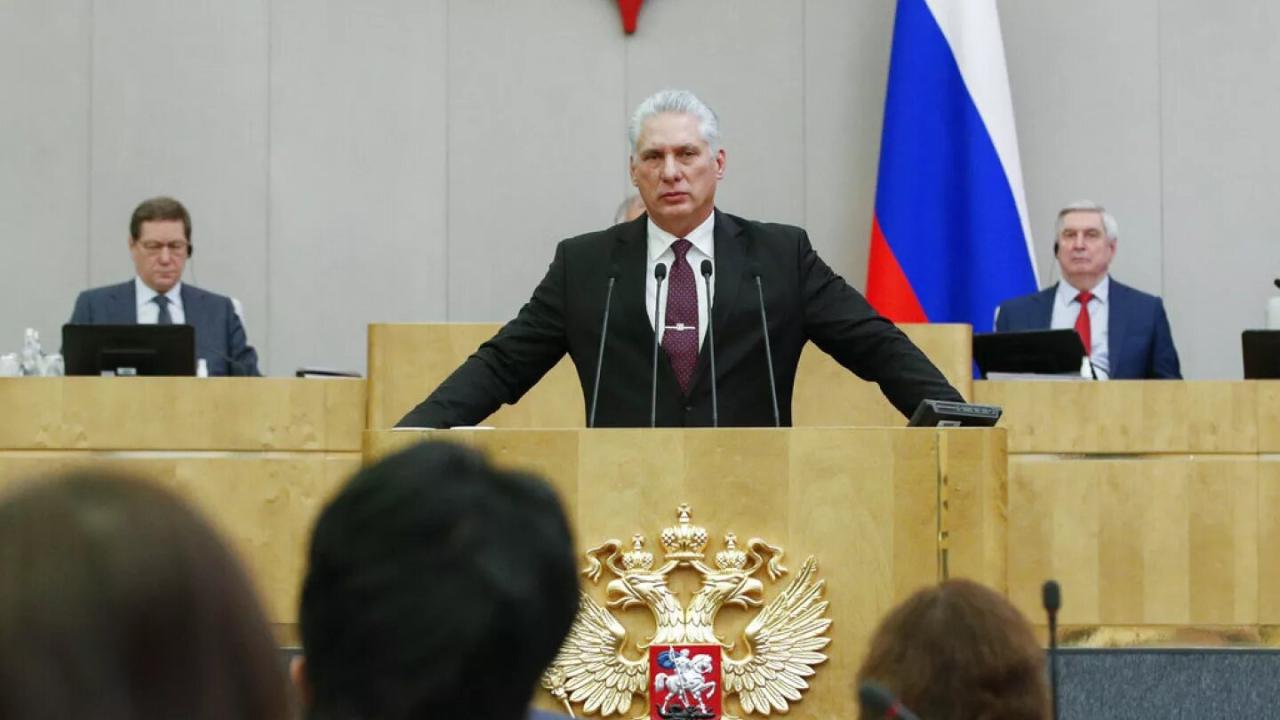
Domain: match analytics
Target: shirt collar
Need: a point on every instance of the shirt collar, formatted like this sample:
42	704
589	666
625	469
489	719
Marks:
1067	293
702	237
143	294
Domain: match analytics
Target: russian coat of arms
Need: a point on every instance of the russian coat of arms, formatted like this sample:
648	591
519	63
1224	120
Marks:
686	670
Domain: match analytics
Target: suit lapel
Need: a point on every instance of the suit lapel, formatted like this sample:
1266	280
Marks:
730	262
1116	329
1044	307
632	256
122	304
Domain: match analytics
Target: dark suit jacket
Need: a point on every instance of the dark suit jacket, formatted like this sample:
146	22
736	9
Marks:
805	301
1139	343
220	337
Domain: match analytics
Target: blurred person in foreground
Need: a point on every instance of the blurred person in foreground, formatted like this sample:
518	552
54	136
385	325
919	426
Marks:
960	651
118	602
438	586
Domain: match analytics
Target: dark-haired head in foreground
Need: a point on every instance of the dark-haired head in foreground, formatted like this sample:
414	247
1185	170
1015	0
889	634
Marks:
439	587
959	651
118	602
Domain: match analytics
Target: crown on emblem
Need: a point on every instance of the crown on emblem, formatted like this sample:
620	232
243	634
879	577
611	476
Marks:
638	558
731	557
685	541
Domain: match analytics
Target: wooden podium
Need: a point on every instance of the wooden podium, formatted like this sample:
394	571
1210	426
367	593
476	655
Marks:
408	360
883	511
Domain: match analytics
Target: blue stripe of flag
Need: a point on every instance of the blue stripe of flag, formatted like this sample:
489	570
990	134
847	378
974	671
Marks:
942	197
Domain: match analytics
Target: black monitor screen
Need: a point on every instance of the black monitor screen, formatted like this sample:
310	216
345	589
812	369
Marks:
129	349
1048	352
1261	349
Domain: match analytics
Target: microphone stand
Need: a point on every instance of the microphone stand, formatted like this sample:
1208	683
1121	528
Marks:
659	274
711	345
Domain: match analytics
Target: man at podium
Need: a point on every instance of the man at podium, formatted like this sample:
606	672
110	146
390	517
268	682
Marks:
673	279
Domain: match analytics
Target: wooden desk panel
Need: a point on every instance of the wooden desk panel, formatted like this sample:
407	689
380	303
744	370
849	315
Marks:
1170	540
1268	415
1119	417
155	413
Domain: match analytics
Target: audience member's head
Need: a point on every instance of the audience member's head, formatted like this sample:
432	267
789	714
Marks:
160	242
118	602
439	587
630	209
959	651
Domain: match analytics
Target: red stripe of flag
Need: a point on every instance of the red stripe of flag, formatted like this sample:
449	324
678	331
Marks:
887	287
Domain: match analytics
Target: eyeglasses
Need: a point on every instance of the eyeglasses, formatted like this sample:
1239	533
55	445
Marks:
176	247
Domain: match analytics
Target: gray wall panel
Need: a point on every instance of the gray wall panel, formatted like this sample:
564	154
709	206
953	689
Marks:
1086	96
44	155
746	60
535	142
180	108
1221	97
845	74
358	158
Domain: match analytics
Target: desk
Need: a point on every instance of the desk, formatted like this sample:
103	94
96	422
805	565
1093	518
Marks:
1152	503
258	456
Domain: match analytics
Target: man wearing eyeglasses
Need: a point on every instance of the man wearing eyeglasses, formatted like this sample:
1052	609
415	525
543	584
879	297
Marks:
160	243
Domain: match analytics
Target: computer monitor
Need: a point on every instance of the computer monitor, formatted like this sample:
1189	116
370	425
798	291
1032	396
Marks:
1261	350
1041	352
946	413
129	349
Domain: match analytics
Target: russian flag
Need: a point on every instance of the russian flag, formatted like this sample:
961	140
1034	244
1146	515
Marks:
950	239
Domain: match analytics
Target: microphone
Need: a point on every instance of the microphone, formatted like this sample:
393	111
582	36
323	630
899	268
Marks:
1278	282
768	352
659	274
881	703
240	368
604	329
711	345
1052	597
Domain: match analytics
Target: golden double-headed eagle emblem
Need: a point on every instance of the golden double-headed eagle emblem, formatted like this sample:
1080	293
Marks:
767	669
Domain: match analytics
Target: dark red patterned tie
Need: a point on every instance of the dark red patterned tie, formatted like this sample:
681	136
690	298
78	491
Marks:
680	336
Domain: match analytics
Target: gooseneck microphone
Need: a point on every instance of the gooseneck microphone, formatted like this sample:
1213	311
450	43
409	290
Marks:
1052	596
604	330
768	352
711	344
879	702
659	274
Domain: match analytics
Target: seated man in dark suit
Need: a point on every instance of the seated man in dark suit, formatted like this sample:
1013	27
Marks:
1125	331
437	586
160	243
676	163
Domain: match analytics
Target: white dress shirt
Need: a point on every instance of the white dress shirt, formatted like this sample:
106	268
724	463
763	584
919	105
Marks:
149	311
1066	309
703	239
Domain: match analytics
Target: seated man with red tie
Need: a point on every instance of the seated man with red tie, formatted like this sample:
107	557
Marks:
1125	331
160	244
